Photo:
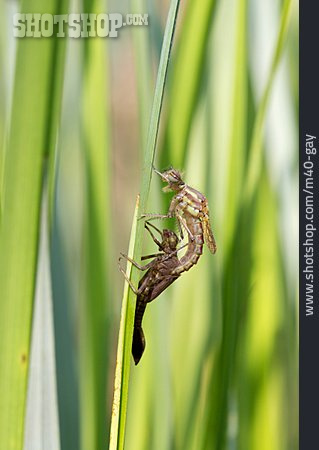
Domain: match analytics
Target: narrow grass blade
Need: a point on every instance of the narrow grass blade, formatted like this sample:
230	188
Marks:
238	114
123	368
143	73
116	434
33	130
186	80
2	94
157	102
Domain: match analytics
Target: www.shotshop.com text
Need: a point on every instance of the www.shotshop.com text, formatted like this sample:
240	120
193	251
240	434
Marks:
309	231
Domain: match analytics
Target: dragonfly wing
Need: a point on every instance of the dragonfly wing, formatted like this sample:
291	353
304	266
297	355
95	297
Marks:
208	235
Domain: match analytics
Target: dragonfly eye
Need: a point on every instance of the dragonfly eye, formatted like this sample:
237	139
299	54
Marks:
173	178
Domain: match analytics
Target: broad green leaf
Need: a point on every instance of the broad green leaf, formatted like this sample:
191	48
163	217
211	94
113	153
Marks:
42	421
95	312
34	121
262	374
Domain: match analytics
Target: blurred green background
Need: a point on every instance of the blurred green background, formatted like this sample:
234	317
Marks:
220	366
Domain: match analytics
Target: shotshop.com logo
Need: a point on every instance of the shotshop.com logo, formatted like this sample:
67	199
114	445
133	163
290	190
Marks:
74	25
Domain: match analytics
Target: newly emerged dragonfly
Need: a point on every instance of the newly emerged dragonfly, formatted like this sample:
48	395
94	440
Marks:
161	273
190	207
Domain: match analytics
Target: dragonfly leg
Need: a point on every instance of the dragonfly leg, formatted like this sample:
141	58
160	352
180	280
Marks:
183	222
180	227
138	266
157	242
154	255
155	216
148	224
175	252
128	280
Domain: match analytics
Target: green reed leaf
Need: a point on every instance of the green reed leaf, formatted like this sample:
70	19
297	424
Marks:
32	136
125	342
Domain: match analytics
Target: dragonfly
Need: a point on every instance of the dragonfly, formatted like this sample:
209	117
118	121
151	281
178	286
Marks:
190	207
160	273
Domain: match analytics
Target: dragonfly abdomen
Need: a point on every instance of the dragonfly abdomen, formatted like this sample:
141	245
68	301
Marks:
194	248
139	311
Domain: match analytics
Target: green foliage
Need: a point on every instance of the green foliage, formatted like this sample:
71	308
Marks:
220	366
32	135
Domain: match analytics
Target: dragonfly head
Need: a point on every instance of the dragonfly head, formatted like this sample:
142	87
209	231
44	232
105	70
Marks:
174	179
170	241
